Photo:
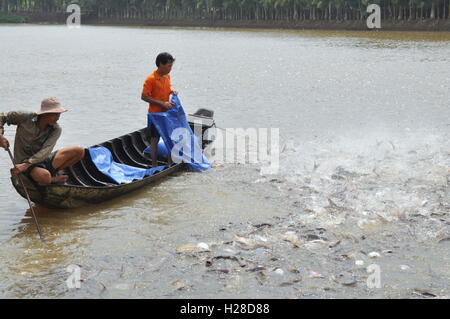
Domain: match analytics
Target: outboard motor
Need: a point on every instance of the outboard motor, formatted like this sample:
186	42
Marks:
202	118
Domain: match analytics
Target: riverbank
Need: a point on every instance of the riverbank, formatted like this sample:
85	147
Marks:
417	25
308	25
7	18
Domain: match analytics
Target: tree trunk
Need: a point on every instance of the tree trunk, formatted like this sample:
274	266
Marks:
448	11
4	6
329	11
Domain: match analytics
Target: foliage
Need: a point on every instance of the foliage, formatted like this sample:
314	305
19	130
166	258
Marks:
241	9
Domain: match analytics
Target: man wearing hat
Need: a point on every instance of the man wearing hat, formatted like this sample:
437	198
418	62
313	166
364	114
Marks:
36	136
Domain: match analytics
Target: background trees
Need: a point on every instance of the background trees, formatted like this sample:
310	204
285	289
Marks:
288	10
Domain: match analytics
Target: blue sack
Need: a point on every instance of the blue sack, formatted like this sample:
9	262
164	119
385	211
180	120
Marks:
120	173
178	137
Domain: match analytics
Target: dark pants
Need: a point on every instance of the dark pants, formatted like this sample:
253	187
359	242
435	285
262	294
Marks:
45	164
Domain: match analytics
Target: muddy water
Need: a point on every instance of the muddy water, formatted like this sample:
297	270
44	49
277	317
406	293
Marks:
364	131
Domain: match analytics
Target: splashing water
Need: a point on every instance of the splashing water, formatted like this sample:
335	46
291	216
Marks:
361	184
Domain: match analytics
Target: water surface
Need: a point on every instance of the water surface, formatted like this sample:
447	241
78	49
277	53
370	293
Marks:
363	118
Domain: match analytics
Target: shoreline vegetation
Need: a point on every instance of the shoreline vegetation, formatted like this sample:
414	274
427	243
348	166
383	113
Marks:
397	15
7	18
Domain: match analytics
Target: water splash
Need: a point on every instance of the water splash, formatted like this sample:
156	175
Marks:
363	183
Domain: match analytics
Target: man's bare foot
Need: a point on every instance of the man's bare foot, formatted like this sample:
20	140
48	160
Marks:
60	179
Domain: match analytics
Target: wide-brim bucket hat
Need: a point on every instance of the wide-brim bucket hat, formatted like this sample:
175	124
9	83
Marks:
51	105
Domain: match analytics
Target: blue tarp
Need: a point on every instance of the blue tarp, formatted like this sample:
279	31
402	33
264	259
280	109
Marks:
162	150
178	137
120	173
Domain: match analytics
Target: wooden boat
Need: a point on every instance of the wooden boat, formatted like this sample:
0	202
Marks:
87	185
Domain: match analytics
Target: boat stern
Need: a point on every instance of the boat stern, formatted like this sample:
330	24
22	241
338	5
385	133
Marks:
201	121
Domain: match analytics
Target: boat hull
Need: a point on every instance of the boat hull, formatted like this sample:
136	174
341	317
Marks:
87	185
72	196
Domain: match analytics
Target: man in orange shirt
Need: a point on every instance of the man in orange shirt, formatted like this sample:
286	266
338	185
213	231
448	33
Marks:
157	90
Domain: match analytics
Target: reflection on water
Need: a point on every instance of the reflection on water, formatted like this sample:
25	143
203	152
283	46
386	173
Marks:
363	118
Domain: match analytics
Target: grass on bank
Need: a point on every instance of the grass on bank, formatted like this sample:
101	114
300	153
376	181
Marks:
6	18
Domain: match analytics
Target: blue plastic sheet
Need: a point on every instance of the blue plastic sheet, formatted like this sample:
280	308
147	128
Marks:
162	150
120	173
178	137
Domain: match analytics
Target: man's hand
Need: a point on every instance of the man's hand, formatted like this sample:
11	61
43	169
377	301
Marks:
4	142
167	105
20	168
